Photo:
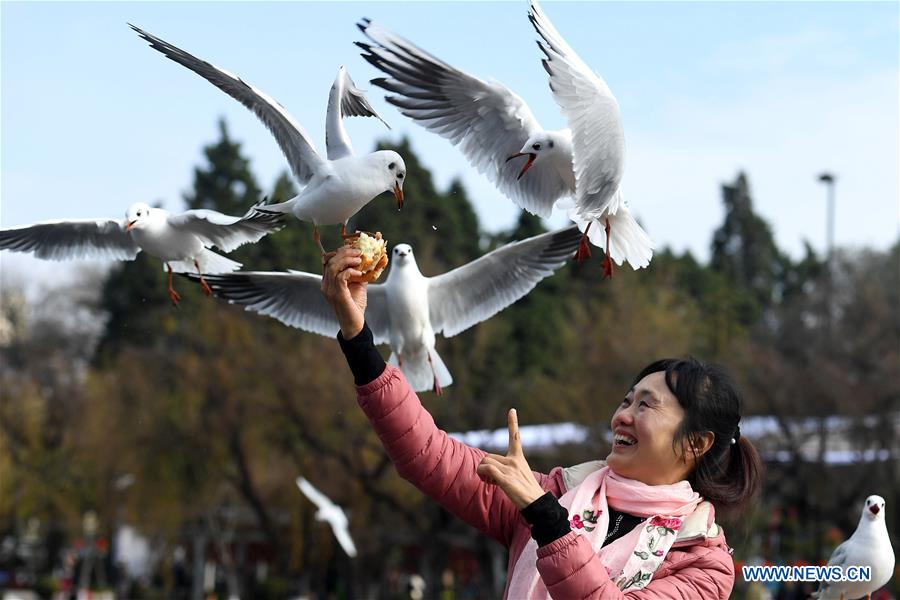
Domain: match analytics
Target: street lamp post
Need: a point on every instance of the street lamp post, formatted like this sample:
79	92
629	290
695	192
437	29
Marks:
828	180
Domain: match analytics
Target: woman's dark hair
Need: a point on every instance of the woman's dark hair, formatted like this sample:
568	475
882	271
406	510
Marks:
728	474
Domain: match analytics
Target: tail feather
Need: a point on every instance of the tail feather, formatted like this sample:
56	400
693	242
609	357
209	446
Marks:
210	264
628	240
418	372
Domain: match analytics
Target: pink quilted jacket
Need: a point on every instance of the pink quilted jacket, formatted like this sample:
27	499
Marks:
698	566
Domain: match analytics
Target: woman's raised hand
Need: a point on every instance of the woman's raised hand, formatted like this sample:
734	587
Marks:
511	472
347	298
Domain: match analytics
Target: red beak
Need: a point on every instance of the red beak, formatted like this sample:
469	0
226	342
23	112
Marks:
531	157
129	225
874	509
398	194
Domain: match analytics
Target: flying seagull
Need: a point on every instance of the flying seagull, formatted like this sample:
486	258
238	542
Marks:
579	167
336	186
869	546
409	309
330	513
181	241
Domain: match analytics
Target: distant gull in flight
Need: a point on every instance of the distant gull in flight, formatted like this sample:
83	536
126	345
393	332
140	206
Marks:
330	513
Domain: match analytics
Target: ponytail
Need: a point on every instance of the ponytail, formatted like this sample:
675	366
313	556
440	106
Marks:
730	482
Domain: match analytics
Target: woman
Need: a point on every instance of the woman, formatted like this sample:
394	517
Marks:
641	524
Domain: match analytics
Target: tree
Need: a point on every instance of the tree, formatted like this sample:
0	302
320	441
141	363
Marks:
226	183
745	254
215	410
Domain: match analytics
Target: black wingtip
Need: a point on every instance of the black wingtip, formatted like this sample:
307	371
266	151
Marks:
372	60
546	63
141	33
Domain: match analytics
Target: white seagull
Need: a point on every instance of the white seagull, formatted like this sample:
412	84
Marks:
336	187
869	546
408	309
181	241
581	166
330	513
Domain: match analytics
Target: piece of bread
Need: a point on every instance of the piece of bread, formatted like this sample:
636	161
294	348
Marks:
374	255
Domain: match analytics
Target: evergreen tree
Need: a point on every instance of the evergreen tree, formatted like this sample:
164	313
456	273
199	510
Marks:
527	225
225	182
745	254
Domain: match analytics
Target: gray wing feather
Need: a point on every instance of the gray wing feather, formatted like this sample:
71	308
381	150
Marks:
295	298
291	137
63	240
477	291
839	556
486	121
227	232
355	104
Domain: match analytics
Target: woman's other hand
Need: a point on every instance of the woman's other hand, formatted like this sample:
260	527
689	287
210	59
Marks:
511	472
347	298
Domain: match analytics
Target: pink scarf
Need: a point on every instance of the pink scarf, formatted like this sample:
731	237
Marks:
630	560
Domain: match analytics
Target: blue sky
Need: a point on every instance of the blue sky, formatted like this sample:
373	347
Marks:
93	120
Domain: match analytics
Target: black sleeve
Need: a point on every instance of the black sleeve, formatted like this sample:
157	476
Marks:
362	356
549	520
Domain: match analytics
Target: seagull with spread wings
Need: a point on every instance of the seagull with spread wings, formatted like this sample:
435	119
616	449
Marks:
409	309
181	241
331	513
580	168
336	186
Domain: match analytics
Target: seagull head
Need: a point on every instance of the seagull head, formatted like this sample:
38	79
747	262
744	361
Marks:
137	216
535	145
403	254
874	508
394	172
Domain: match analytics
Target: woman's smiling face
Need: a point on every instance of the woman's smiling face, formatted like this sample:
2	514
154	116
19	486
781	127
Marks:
644	427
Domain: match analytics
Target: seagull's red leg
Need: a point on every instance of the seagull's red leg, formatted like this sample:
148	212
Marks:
584	250
437	386
344	233
400	361
172	293
206	289
607	262
318	239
